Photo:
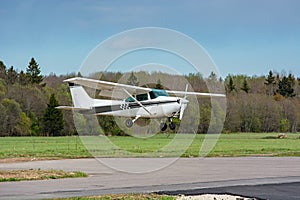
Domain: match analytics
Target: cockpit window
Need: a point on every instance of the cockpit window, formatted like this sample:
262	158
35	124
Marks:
139	97
129	99
153	94
142	97
157	93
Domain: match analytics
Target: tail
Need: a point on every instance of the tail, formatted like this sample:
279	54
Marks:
79	97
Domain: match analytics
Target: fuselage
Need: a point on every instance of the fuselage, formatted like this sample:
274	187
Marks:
153	104
162	106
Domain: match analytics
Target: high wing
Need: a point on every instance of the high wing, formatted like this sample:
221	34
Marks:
109	89
183	93
116	90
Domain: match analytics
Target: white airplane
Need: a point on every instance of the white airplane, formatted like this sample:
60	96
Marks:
133	102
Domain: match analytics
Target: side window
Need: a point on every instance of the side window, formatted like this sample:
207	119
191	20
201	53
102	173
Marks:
129	99
142	97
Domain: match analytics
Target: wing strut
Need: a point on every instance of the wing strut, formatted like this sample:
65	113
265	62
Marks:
135	100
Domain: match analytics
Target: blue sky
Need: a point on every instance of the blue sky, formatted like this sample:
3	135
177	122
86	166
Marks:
242	36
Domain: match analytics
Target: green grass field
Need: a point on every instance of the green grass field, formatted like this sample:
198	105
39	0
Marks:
241	144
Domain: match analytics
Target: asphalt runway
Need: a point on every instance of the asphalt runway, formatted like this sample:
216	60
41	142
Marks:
261	177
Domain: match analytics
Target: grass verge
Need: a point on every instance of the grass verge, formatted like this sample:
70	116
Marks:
37	174
238	144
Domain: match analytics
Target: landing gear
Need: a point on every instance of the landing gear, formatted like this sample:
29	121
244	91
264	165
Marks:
172	126
163	126
129	123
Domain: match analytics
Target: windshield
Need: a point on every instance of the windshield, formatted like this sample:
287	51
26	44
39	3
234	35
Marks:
157	93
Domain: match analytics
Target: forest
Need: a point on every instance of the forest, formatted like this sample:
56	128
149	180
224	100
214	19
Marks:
269	103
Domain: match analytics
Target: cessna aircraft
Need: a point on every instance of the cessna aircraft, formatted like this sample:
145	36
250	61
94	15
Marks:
132	102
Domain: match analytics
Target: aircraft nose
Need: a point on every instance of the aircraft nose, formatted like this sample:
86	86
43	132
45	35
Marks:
183	101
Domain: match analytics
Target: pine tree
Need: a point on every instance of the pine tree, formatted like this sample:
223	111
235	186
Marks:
212	76
231	85
270	82
292	79
132	80
11	76
270	79
79	74
33	72
2	70
53	122
285	86
245	86
158	85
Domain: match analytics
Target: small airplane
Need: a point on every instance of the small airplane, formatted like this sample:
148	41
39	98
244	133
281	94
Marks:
132	102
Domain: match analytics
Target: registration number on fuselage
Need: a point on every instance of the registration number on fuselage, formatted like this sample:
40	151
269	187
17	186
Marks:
125	106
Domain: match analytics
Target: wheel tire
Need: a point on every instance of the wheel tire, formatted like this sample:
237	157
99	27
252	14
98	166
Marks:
163	126
128	123
172	126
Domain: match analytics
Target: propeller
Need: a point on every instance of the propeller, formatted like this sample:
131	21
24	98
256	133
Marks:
183	103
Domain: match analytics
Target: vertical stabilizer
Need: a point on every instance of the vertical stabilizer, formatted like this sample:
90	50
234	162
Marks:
80	97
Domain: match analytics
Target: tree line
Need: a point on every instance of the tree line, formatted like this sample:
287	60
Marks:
26	101
269	103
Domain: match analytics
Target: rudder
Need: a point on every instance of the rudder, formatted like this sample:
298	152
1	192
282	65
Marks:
80	97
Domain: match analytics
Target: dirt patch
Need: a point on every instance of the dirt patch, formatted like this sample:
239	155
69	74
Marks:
123	197
36	174
25	159
214	197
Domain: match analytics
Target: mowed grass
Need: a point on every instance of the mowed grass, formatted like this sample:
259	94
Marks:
42	147
255	144
160	145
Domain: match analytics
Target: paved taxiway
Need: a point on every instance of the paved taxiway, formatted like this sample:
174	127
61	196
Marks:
186	174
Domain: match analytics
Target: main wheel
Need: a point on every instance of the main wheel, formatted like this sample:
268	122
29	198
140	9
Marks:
172	126
128	123
163	126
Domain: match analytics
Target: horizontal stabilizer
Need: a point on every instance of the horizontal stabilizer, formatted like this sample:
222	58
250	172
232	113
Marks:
71	108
